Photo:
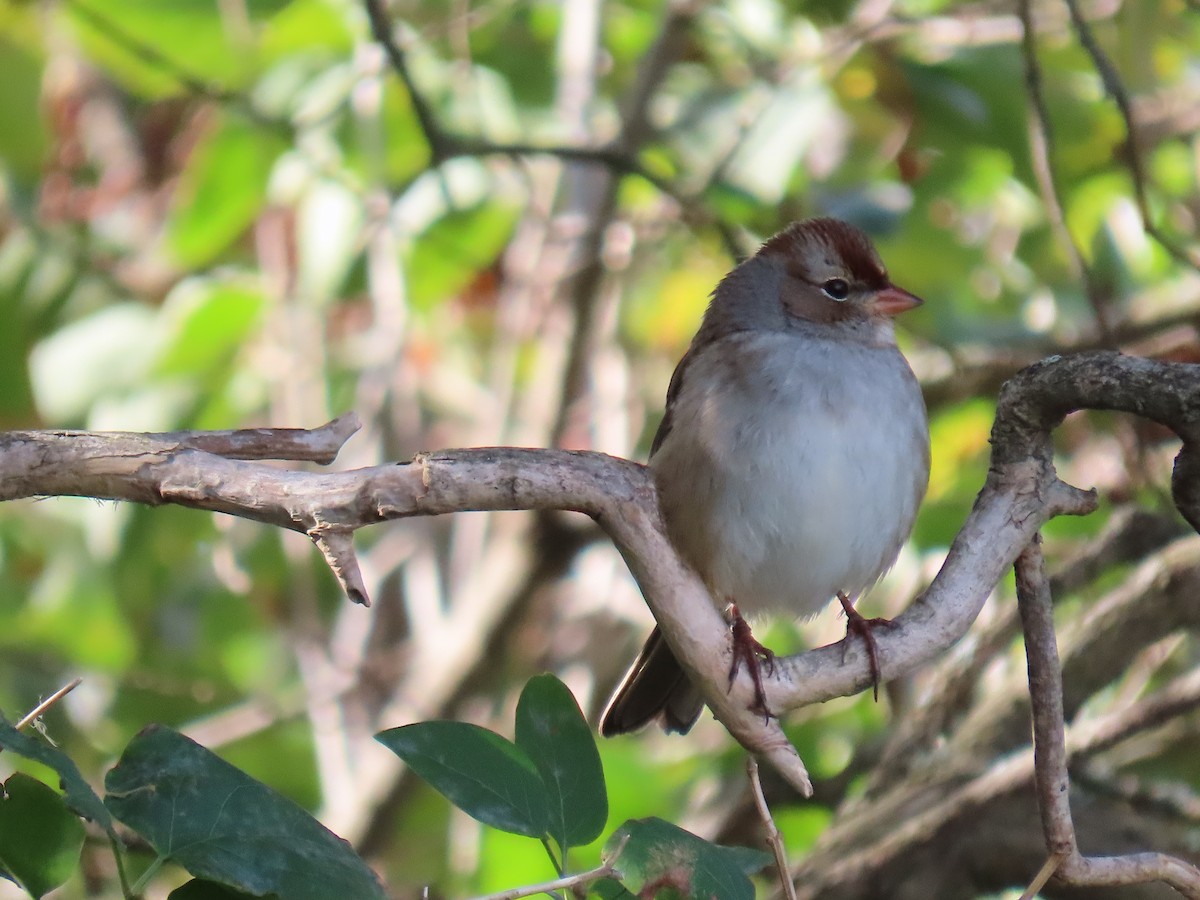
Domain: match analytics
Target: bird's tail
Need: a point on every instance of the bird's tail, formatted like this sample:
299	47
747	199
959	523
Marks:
656	687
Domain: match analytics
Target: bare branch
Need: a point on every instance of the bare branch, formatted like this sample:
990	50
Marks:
617	493
337	546
1038	398
1045	692
318	445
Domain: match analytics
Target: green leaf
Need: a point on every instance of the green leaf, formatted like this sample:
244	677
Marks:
23	138
80	797
553	731
452	251
222	825
40	838
659	853
486	776
221	191
153	46
207	322
306	25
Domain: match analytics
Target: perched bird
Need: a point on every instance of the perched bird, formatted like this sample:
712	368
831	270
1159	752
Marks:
793	454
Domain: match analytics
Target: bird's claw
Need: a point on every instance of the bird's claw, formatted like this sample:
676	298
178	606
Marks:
857	623
748	651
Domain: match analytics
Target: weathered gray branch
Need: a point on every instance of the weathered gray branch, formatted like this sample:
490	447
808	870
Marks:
1021	493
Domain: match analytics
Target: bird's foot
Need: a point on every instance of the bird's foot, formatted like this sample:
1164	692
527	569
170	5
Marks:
748	651
857	623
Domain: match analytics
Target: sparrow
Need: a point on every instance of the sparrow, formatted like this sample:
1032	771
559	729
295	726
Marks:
793	454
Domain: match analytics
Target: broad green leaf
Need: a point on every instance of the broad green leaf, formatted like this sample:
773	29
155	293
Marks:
553	731
23	139
659	853
222	825
486	776
222	190
306	25
40	838
207	321
448	256
154	46
79	796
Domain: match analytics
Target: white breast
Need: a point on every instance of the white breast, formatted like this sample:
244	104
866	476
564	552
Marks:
793	468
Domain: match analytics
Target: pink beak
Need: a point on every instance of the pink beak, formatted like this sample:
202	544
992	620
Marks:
892	301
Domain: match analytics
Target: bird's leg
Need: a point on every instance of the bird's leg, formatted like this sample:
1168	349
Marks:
749	651
858	624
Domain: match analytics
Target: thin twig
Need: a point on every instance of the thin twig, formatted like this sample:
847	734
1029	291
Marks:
49	702
607	870
1115	89
774	838
1041	139
1045	873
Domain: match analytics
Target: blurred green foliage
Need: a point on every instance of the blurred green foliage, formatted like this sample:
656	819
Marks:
216	214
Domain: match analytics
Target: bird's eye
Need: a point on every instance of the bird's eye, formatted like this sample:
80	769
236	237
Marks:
836	289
